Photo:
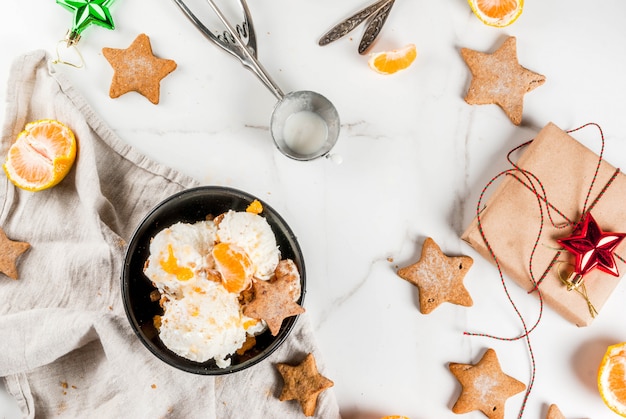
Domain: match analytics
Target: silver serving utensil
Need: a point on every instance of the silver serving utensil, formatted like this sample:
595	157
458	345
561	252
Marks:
376	14
319	120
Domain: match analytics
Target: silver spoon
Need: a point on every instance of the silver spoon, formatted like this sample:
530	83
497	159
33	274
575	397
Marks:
375	14
304	124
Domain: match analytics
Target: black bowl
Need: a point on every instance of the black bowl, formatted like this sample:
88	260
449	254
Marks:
189	206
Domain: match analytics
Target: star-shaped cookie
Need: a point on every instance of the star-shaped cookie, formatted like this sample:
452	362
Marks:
439	278
554	412
136	69
303	383
499	79
9	252
272	302
484	386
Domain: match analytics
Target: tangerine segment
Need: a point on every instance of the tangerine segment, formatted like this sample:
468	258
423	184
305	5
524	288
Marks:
234	265
255	207
41	156
389	62
612	378
499	13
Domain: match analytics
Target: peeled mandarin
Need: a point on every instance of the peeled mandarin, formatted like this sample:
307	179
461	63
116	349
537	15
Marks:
41	156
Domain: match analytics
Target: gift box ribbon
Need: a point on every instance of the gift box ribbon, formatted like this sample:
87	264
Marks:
536	187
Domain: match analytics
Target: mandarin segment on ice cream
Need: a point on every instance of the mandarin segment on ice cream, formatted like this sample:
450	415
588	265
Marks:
202	271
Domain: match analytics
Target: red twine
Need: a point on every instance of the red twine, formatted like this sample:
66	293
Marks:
530	181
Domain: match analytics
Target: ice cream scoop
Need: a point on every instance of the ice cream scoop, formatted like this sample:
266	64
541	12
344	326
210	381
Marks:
304	124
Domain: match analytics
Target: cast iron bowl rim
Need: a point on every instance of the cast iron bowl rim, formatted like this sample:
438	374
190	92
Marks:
185	364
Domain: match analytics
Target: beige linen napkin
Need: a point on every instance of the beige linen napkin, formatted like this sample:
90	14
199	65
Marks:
66	348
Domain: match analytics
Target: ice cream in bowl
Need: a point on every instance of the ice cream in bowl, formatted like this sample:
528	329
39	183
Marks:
192	277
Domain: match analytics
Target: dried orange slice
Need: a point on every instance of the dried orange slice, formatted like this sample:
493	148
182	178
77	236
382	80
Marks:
499	13
389	62
612	378
41	156
234	265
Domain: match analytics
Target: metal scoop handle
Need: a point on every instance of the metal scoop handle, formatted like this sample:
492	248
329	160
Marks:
245	53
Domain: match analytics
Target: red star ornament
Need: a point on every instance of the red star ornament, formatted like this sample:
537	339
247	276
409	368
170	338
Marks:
592	247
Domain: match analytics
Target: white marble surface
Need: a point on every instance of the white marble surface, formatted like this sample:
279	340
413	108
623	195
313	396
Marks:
415	158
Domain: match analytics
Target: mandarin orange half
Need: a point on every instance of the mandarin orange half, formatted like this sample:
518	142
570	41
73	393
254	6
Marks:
498	13
612	378
41	156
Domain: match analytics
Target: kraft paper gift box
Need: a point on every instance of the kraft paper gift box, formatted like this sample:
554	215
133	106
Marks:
510	220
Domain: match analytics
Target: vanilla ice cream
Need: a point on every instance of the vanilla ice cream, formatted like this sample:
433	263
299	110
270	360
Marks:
254	235
179	256
206	323
202	319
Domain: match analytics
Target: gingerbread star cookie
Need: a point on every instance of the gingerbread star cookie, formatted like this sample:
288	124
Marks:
439	278
554	412
136	69
9	252
499	79
303	383
272	302
484	386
